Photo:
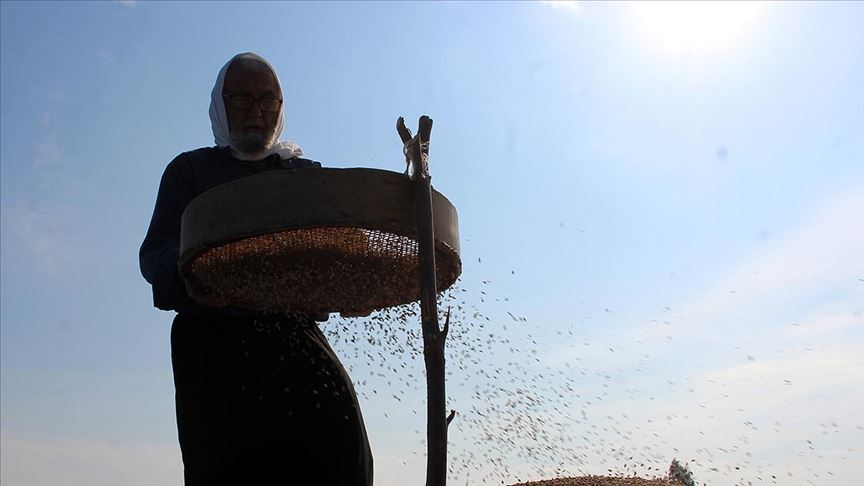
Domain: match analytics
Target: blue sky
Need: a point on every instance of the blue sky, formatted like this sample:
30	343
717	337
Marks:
671	197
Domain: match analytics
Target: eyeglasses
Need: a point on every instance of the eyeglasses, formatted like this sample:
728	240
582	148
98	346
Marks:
242	102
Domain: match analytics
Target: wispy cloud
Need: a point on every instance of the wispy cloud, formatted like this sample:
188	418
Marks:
755	375
778	341
127	3
794	415
826	322
760	414
764	386
818	261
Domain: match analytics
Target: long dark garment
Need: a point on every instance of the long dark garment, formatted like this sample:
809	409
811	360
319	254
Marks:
265	402
260	401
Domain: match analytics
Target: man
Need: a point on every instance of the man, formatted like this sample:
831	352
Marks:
261	399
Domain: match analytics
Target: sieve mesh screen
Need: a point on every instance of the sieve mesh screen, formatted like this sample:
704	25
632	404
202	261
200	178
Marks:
331	269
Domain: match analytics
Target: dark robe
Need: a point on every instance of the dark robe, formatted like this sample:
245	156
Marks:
261	399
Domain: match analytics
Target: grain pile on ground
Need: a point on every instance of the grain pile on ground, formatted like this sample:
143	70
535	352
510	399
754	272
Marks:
679	475
602	481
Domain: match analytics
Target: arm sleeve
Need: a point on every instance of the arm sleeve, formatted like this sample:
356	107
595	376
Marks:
160	251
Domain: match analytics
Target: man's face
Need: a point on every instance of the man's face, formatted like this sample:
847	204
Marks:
252	130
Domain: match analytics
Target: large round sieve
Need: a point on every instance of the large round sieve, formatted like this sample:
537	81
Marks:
314	240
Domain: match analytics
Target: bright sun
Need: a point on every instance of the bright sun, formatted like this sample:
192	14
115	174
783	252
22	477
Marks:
693	27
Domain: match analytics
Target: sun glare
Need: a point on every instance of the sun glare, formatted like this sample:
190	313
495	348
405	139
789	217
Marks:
693	27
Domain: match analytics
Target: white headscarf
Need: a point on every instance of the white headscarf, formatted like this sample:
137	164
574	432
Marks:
219	118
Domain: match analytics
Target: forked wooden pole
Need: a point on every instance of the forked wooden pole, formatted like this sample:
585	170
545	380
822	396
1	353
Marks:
417	156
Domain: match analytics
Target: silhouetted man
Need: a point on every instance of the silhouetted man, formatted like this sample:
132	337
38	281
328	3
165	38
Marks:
261	399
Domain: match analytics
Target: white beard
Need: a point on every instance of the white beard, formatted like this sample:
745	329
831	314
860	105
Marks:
252	144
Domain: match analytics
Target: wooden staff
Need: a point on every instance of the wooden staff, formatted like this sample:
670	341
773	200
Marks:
416	151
